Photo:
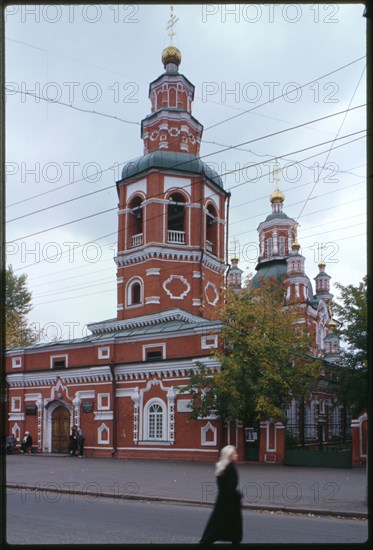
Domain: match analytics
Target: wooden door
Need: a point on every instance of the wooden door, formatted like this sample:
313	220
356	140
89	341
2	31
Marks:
60	430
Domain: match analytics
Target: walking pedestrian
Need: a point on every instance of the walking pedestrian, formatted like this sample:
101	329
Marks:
26	444
225	522
74	441
81	439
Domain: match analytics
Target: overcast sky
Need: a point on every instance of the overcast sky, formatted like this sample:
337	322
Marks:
94	63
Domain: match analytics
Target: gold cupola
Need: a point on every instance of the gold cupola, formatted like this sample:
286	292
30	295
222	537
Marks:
277	196
171	54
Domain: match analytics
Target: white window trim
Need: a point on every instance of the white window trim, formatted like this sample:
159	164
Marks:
155	401
64	356
204	430
104	353
16	404
129	286
206	339
100	406
16	362
147	347
268	448
100	433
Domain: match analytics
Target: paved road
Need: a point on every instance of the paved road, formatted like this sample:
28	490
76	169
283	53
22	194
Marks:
41	518
322	490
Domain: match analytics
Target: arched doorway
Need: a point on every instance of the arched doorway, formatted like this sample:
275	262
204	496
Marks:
60	429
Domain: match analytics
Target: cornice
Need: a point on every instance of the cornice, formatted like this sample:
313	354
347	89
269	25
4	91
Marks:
163	369
148	320
185	254
50	378
135	371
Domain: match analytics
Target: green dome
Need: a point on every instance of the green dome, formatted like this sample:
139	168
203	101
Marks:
180	162
278	270
266	270
279	215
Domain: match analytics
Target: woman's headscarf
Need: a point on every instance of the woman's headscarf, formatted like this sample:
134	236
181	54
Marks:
224	459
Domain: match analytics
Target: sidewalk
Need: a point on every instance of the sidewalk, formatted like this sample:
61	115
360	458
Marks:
319	491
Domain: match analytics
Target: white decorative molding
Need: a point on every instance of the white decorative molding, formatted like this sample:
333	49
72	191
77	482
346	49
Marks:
16	431
16	362
101	397
215	291
147	347
162	404
197	302
120	280
183	405
59	388
153	271
164	369
197	274
62	356
103	415
104	352
204	435
168	252
208	342
16	404
185	283
136	187
268	448
103	435
153	300
16	416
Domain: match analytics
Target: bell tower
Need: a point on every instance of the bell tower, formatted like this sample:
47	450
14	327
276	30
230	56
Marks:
171	212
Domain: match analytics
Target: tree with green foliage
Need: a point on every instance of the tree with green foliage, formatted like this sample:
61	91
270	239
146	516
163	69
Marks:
265	360
352	311
17	305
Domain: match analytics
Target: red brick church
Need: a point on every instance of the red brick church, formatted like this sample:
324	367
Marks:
120	384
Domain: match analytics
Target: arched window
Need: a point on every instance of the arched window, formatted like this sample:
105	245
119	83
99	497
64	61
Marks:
269	247
155	420
175	219
211	230
134	293
135	223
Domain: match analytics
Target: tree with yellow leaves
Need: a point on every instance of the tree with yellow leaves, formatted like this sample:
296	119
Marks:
265	358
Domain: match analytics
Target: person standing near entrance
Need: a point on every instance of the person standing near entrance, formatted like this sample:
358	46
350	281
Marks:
74	441
225	522
81	439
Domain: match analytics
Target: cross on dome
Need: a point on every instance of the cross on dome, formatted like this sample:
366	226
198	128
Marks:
277	196
171	56
170	24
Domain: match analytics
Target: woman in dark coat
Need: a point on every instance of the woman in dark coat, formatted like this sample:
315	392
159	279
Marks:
225	522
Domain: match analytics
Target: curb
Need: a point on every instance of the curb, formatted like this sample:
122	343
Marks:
190	502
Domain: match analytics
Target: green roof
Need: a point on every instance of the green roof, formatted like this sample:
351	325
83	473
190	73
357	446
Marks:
180	162
278	270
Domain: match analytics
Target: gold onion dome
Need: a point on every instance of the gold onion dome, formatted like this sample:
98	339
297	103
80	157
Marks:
332	325
277	196
295	246
171	55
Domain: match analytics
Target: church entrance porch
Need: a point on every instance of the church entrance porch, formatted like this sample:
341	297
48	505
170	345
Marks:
60	429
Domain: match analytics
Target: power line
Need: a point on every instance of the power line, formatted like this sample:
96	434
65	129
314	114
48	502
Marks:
231	171
88	111
282	95
331	147
107	281
180	164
